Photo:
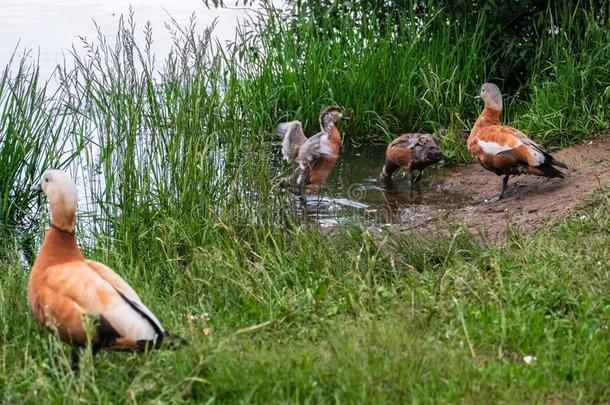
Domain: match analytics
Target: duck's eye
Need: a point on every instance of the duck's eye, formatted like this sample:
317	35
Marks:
46	180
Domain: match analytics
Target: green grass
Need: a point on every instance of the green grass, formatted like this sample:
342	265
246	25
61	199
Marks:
413	72
279	316
176	162
32	137
570	90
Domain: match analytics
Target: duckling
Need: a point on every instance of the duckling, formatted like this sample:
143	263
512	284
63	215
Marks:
505	150
315	157
410	152
65	289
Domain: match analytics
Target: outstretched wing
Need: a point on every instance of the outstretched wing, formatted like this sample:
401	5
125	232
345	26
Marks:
292	137
312	150
309	154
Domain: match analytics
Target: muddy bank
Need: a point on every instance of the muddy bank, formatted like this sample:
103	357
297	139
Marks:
529	202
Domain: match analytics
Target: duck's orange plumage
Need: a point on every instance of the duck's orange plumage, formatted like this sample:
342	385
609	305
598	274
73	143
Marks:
315	157
65	290
505	150
319	170
410	152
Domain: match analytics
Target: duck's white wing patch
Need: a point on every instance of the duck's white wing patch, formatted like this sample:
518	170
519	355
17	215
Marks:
144	320
493	148
129	321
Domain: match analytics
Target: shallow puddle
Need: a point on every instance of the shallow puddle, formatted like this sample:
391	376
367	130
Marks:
354	194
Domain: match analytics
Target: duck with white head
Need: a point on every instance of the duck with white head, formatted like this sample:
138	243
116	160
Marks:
66	291
504	150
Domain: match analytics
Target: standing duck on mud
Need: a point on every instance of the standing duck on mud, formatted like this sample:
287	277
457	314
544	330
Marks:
410	152
65	289
505	150
316	156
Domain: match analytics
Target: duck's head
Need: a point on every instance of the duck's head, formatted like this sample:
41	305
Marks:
330	115
490	93
426	151
60	190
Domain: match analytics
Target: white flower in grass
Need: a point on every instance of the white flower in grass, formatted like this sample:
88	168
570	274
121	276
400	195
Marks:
529	359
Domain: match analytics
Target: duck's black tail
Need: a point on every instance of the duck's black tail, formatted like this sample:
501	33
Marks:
166	341
174	342
548	168
547	171
550	160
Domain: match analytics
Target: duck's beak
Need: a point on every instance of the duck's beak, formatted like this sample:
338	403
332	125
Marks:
37	188
477	97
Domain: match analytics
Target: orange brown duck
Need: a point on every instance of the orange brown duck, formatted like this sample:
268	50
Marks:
504	150
66	290
316	156
411	152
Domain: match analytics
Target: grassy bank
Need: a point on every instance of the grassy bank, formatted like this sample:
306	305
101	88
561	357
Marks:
280	316
176	161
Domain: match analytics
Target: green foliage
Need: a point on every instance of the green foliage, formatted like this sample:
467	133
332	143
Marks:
405	68
175	166
414	74
276	316
32	136
570	88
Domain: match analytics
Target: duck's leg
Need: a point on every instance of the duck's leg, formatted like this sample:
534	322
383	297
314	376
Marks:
499	196
415	180
420	173
303	200
75	358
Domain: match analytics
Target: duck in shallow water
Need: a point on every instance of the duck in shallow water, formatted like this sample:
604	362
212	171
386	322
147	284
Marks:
66	291
505	150
316	156
411	152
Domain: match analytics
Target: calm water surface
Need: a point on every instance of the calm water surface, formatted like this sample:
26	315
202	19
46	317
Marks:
353	192
50	27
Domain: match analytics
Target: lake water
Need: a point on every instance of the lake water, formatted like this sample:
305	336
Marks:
353	193
50	27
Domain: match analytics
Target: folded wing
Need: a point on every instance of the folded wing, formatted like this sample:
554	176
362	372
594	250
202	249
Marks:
513	145
404	142
127	293
75	290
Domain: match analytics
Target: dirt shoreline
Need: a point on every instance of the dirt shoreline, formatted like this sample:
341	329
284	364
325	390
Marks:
530	201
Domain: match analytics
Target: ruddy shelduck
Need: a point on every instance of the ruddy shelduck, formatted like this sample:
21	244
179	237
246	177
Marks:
67	292
411	152
505	150
315	157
